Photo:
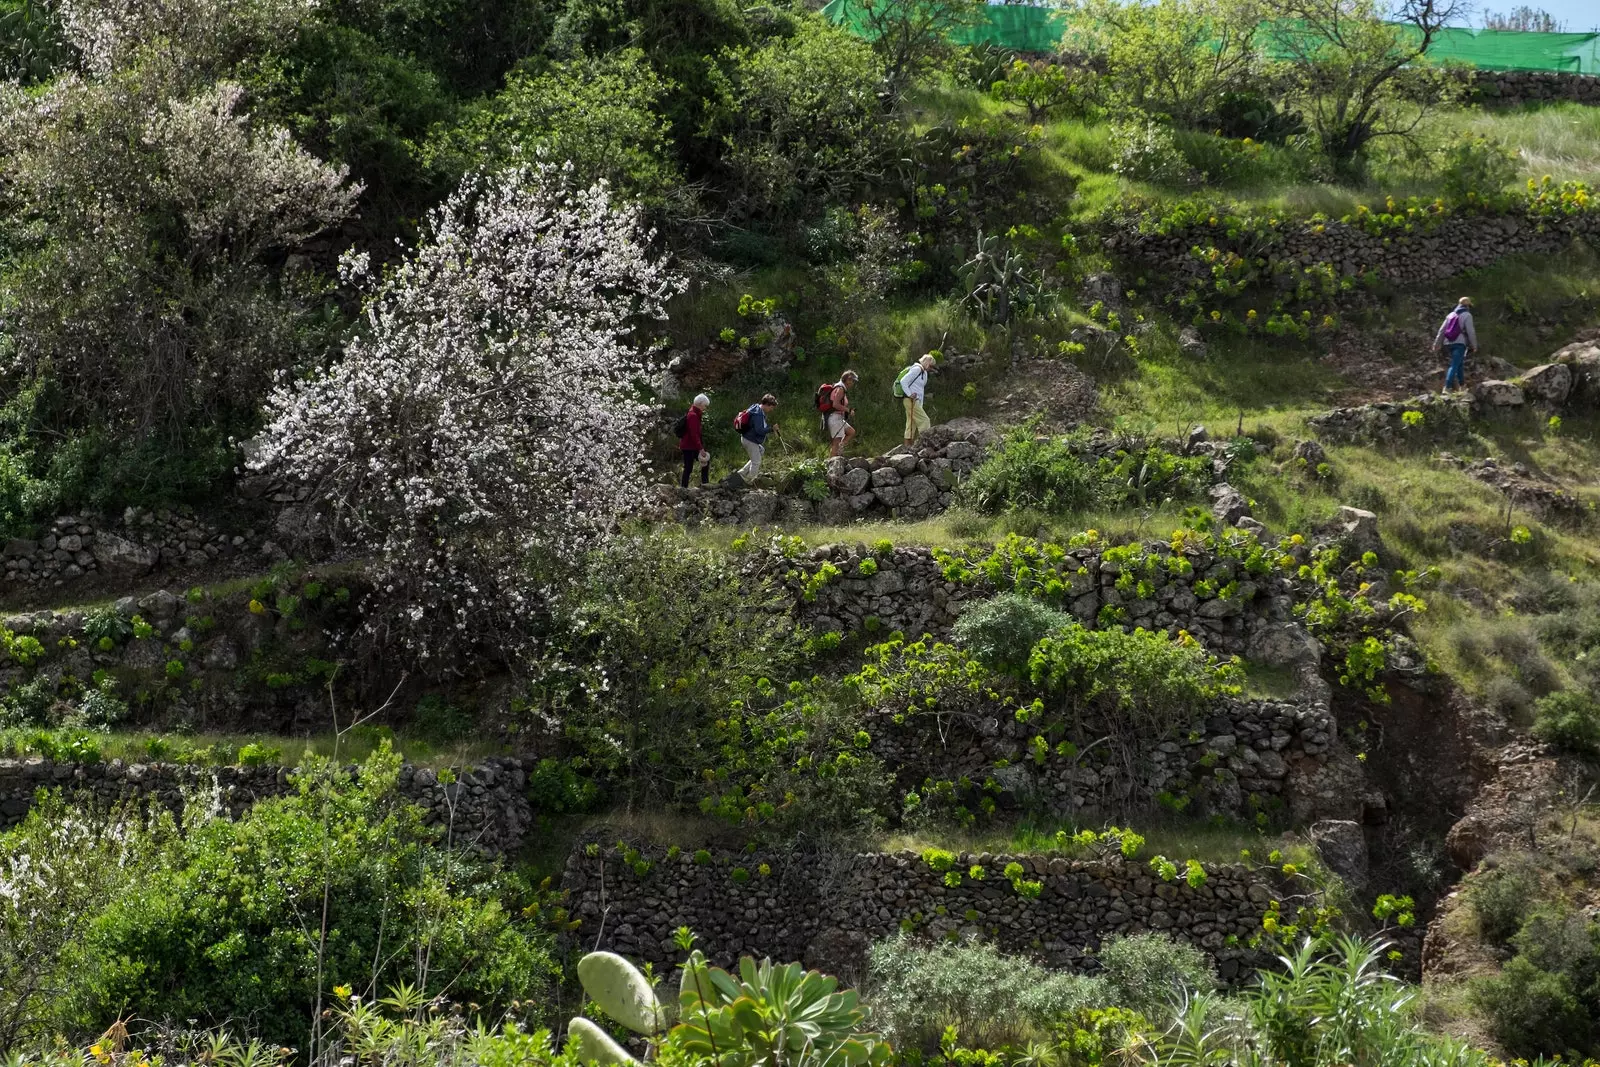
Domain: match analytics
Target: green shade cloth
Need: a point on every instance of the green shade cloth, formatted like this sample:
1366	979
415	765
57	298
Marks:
1024	28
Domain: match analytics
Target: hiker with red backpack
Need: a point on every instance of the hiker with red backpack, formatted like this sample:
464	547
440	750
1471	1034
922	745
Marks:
1457	334
753	429
691	440
833	402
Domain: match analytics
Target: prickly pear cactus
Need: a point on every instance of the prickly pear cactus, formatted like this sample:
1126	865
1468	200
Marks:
622	992
596	1046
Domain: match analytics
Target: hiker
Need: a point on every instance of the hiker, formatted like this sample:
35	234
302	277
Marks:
912	387
753	428
691	440
833	400
1458	334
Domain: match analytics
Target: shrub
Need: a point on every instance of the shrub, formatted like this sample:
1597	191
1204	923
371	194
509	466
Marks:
1139	682
1002	630
991	998
556	786
1568	719
1147	152
1151	972
1531	1011
1502	898
1026	474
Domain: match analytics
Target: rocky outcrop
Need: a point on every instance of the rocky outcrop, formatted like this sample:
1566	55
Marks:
483	807
826	911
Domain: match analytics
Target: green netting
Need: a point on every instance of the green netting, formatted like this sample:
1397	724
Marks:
1023	28
1017	27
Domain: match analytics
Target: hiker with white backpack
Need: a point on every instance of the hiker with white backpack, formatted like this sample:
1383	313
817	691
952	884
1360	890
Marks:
911	386
1457	333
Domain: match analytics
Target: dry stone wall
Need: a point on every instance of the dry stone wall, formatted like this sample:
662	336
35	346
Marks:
485	808
143	541
827	912
1443	250
906	483
907	590
1511	88
1246	757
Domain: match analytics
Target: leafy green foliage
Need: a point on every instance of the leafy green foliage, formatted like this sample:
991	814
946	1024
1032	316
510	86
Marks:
992	999
1002	630
771	1013
1150	972
799	121
1569	719
172	944
1144	684
599	114
1057	476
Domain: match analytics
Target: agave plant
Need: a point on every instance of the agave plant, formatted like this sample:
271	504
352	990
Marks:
776	1015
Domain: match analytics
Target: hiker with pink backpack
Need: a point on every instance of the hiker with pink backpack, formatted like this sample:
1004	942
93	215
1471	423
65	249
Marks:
1457	334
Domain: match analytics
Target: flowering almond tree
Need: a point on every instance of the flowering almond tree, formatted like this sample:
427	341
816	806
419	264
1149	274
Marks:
481	432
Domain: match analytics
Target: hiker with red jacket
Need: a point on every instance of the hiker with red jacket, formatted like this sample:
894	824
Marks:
833	401
1457	334
753	428
691	440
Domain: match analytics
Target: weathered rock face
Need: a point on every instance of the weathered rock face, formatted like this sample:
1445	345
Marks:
485	808
1343	847
1494	395
1549	383
826	913
1395	422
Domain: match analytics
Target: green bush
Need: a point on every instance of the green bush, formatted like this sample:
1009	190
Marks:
399	908
799	121
1532	1012
1002	630
1151	972
991	998
1140	682
1568	719
1502	898
1024	474
598	113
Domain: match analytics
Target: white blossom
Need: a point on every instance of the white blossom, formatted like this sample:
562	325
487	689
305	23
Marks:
484	425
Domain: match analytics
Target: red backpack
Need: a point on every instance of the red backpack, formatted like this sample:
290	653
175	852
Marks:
825	397
741	421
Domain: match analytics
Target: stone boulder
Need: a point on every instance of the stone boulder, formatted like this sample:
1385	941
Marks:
1498	395
1191	344
122	558
1106	289
1284	645
1358	529
1343	848
1228	505
1549	383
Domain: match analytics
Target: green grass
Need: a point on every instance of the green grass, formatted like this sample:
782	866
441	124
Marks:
210	749
1175	837
1561	140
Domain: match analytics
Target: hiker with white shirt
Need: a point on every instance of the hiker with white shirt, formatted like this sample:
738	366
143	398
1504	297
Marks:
912	387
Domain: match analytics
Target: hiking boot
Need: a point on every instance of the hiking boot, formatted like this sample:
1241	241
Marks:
733	481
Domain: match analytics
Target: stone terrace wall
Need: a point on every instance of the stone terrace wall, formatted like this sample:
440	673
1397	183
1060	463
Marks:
144	541
1509	88
906	483
908	591
1245	757
827	914
485	808
1455	245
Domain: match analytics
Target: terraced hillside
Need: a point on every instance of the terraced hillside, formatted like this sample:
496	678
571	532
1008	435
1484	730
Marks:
396	624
